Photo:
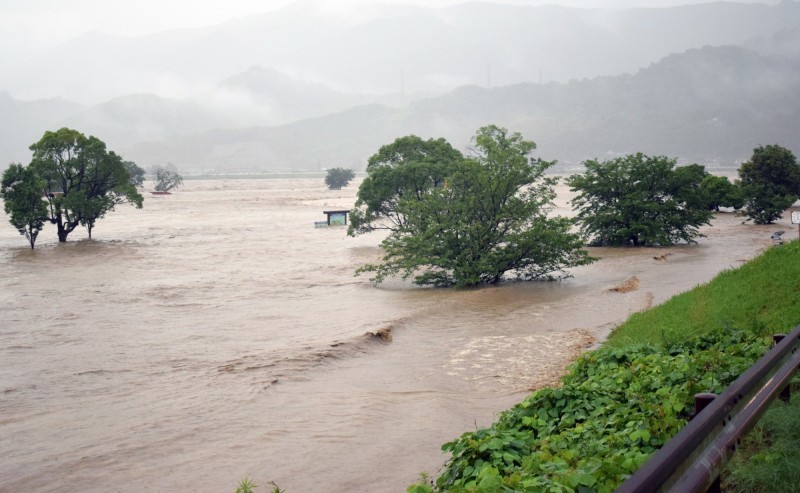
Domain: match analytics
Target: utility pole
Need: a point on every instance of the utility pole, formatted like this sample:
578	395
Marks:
402	85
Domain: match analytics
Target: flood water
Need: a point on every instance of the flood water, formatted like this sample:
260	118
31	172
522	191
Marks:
216	335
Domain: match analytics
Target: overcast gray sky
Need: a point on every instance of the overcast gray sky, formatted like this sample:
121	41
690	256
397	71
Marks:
29	27
36	24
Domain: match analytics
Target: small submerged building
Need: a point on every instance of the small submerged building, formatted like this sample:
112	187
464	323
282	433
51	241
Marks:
335	218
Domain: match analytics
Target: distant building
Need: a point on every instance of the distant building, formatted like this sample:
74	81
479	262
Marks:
335	218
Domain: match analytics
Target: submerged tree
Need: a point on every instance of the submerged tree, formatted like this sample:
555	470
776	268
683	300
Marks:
338	178
687	186
639	200
21	191
135	172
770	183
720	192
82	179
167	178
487	217
407	168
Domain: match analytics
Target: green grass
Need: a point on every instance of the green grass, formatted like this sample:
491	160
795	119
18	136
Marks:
769	459
584	437
763	294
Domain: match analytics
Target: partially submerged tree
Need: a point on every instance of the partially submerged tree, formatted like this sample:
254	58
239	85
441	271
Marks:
687	185
338	178
135	172
638	200
486	218
82	180
720	192
167	178
770	182
21	191
407	168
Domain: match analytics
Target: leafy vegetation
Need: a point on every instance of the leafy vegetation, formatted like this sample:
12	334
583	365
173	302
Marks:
406	169
246	485
167	178
135	172
21	190
769	456
80	182
640	200
720	192
615	408
471	221
770	183
338	178
621	402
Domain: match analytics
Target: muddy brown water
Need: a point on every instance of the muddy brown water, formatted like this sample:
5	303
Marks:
216	335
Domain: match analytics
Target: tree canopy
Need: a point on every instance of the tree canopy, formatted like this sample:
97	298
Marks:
135	172
83	180
720	192
338	178
408	167
21	191
469	221
167	178
639	200
770	183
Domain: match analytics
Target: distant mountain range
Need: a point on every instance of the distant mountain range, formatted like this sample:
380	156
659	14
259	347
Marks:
710	105
310	90
23	122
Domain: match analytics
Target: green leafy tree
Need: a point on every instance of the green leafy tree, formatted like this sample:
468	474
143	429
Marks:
488	218
167	178
95	208
407	168
638	200
770	182
687	185
720	192
83	180
135	172
338	178
21	191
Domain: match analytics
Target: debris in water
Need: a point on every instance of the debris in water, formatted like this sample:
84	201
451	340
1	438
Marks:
385	334
631	284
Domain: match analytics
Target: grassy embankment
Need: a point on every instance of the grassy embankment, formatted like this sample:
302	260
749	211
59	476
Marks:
620	403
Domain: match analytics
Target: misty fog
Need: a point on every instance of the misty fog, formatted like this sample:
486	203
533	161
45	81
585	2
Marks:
300	86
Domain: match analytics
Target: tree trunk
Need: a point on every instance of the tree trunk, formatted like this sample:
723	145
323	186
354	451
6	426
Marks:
62	231
65	228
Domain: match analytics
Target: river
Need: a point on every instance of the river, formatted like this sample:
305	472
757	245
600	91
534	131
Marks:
216	334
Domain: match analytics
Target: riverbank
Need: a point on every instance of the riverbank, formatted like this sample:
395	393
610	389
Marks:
583	434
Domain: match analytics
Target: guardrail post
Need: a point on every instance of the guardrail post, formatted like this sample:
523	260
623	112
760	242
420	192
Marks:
702	400
786	393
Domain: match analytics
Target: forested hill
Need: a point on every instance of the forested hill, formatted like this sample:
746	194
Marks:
710	105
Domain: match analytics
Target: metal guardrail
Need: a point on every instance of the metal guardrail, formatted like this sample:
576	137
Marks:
693	459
